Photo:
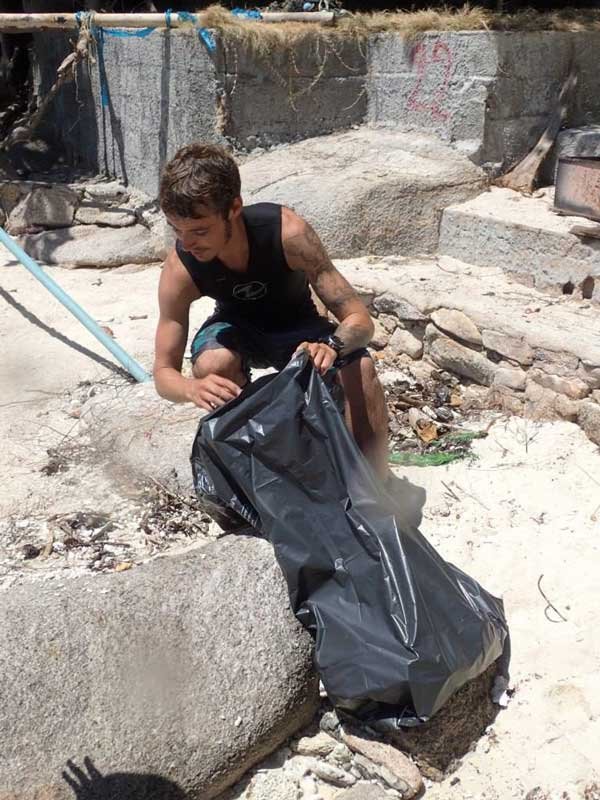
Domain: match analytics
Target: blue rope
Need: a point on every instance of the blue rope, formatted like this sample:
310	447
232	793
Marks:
247	13
98	34
204	35
141	33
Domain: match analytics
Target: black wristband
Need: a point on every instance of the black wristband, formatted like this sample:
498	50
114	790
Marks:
333	341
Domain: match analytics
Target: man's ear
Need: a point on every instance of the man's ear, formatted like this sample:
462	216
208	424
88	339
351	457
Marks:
236	209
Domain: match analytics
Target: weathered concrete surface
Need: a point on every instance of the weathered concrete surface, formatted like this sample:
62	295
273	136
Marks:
94	246
167	90
379	191
522	236
191	668
490	93
557	330
314	89
538	354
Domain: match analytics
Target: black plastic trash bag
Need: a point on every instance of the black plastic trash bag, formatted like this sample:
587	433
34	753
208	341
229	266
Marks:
397	629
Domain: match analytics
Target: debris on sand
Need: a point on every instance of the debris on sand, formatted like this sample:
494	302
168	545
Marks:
427	418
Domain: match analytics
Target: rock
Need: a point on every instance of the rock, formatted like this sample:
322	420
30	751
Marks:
373	771
100	215
567	408
271	785
563	364
508	346
544	403
589	375
457	324
596	396
308	787
370	179
399	765
341	755
511	378
11	193
322	744
403	341
330	774
140	435
395	377
44	207
457	358
108	192
381	337
366	297
502	397
329	722
574	388
91	246
2	217
149	670
389	322
363	791
392	304
589	419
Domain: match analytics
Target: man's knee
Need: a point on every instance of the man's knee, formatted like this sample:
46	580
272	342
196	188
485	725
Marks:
359	375
220	361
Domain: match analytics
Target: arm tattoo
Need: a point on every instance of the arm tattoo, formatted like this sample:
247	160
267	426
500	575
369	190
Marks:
307	252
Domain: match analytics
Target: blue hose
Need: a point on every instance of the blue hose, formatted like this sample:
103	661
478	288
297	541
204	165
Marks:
130	364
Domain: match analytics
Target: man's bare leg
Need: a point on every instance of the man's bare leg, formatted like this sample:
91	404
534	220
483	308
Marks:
366	412
220	361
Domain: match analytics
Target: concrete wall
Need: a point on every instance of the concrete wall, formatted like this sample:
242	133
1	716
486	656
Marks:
488	93
167	90
318	89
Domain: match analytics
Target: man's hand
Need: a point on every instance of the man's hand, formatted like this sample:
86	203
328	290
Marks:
322	355
211	392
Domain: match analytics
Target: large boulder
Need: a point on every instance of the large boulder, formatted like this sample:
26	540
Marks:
366	191
44	207
136	436
182	672
94	246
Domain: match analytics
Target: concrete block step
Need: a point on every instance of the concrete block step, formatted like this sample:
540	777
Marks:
536	352
523	237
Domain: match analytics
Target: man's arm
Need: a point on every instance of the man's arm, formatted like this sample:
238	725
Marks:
176	293
304	251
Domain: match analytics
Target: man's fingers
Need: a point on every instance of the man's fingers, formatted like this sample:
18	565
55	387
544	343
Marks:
230	386
324	358
319	359
209	402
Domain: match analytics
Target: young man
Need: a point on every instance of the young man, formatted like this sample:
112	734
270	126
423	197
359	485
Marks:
258	262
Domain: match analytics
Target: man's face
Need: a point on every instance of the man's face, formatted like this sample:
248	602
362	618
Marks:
205	235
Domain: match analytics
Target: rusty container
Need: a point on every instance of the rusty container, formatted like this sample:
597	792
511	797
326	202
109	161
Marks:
578	187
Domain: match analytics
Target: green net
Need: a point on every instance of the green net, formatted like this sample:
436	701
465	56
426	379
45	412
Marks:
451	447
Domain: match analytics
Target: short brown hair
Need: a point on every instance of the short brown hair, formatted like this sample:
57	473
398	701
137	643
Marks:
199	174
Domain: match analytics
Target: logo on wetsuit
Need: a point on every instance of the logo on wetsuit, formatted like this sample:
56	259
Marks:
250	291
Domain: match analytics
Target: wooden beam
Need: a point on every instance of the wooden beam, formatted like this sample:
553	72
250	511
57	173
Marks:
19	23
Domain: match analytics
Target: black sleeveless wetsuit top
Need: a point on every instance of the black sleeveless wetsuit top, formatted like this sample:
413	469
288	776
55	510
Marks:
269	294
